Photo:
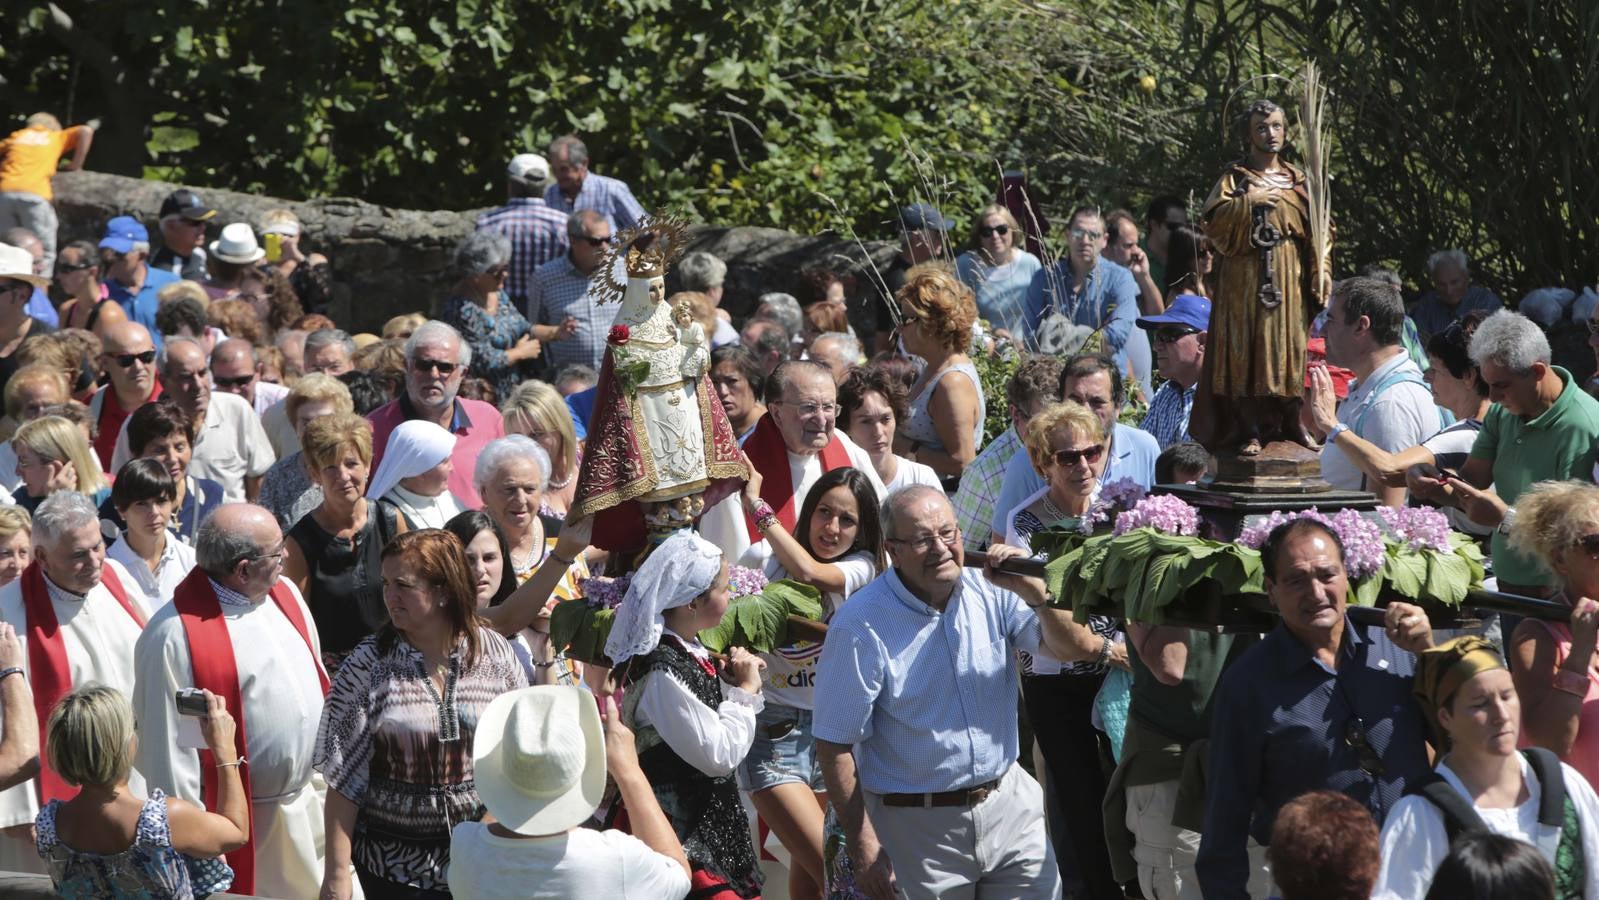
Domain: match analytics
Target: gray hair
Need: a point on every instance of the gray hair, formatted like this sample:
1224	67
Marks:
575	372
500	451
781	308
1453	257
432	333
61	512
18	236
576	152
327	337
700	271
895	505
1510	340
578	222
217	550
482	251
172	340
848	344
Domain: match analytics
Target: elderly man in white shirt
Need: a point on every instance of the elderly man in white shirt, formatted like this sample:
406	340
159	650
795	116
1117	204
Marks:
791	446
230	446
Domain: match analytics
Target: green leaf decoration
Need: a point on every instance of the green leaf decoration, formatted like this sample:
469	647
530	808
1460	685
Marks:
759	622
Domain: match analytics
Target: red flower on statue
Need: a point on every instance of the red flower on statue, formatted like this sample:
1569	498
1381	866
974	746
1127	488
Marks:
619	334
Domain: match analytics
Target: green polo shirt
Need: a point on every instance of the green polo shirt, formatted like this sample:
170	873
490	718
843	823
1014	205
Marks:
1557	445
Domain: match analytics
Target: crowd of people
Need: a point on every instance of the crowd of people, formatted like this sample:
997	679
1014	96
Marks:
277	596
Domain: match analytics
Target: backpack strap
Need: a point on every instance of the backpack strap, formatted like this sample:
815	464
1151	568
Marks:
1460	817
1551	786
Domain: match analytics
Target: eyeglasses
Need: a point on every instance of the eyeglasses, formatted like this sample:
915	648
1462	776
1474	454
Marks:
1590	545
238	382
1172	335
424	366
989	231
126	360
929	542
1355	738
811	409
274	555
1069	458
69	268
597	241
1085	234
498	271
1207	252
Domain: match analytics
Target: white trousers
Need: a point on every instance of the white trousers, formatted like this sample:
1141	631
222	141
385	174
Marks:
996	850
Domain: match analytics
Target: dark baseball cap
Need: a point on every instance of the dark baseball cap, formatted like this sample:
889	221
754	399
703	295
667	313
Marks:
923	215
186	203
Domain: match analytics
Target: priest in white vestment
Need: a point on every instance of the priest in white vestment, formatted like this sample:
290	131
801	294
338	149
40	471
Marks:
791	446
94	637
272	647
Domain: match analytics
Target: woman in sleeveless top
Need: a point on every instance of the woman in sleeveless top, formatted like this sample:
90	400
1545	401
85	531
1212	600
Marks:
1483	784
945	425
691	730
334	551
1553	664
106	842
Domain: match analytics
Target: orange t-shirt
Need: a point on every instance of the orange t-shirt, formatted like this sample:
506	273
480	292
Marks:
28	158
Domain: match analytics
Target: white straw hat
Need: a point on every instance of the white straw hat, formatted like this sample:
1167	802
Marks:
237	245
17	263
538	758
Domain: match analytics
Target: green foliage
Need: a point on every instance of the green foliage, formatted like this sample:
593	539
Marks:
581	630
759	622
1431	575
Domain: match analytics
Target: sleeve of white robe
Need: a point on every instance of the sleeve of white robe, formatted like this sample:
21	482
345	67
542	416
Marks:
714	741
162	666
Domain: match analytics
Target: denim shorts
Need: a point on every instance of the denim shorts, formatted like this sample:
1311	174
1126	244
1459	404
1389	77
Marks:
787	758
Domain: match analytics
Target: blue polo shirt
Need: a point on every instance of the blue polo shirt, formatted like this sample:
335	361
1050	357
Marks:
141	307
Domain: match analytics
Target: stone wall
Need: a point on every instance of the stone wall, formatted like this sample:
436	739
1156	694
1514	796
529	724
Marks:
391	261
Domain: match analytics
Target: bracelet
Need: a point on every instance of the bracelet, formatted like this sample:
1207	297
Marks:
241	761
14	670
1104	651
568	563
766	523
1573	683
760	510
544	665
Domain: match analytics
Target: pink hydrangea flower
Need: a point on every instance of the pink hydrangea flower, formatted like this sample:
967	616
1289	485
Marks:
1419	527
1361	537
1166	513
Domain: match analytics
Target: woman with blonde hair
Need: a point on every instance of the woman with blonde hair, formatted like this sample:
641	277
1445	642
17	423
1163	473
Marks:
400	327
107	842
16	542
287	490
998	271
32	390
537	410
53	455
1556	673
945	424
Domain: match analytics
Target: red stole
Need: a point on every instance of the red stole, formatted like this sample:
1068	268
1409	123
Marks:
215	670
47	663
766	450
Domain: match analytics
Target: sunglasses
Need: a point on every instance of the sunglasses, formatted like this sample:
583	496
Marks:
424	366
240	381
1172	335
69	268
8	285
1069	458
1355	738
989	231
498	271
1087	234
597	241
126	360
1590	545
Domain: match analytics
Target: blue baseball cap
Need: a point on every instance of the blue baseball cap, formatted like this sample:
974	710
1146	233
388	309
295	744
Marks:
1191	310
923	215
123	232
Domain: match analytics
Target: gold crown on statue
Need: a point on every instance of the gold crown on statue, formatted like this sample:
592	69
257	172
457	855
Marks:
645	251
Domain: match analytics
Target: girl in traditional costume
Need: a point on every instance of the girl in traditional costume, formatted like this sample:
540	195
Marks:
692	729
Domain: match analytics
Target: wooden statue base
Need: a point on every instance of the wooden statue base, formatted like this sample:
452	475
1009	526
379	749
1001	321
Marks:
1280	468
1222	511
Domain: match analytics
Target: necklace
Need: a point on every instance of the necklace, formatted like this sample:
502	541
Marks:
559	485
1054	512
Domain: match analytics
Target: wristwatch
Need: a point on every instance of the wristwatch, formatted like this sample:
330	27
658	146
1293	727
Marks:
1335	431
1507	521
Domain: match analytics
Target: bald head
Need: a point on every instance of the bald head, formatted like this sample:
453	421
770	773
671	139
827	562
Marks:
233	368
241	546
127	337
908	503
129	358
234	350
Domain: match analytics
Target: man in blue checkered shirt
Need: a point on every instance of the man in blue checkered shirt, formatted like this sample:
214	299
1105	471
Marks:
577	188
1179	337
565	318
537	232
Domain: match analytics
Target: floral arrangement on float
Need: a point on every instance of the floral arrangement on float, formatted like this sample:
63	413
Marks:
762	615
1145	557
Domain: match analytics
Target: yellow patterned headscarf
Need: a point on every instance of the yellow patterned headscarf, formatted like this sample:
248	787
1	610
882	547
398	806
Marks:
1442	670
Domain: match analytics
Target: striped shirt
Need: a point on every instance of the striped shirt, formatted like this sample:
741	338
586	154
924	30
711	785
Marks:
927	698
1167	418
537	233
560	290
609	197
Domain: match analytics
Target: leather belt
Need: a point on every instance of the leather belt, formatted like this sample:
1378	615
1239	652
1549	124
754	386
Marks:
964	797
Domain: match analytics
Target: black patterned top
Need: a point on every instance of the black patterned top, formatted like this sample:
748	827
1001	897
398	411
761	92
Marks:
403	753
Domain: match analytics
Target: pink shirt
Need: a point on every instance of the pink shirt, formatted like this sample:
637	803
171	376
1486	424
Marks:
1584	755
475	424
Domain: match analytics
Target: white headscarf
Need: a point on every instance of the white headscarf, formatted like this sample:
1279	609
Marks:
677	571
414	447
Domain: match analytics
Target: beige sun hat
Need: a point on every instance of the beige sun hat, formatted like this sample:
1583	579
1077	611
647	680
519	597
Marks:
538	758
17	263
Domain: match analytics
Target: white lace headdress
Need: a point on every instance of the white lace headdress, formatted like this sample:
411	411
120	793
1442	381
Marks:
677	571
